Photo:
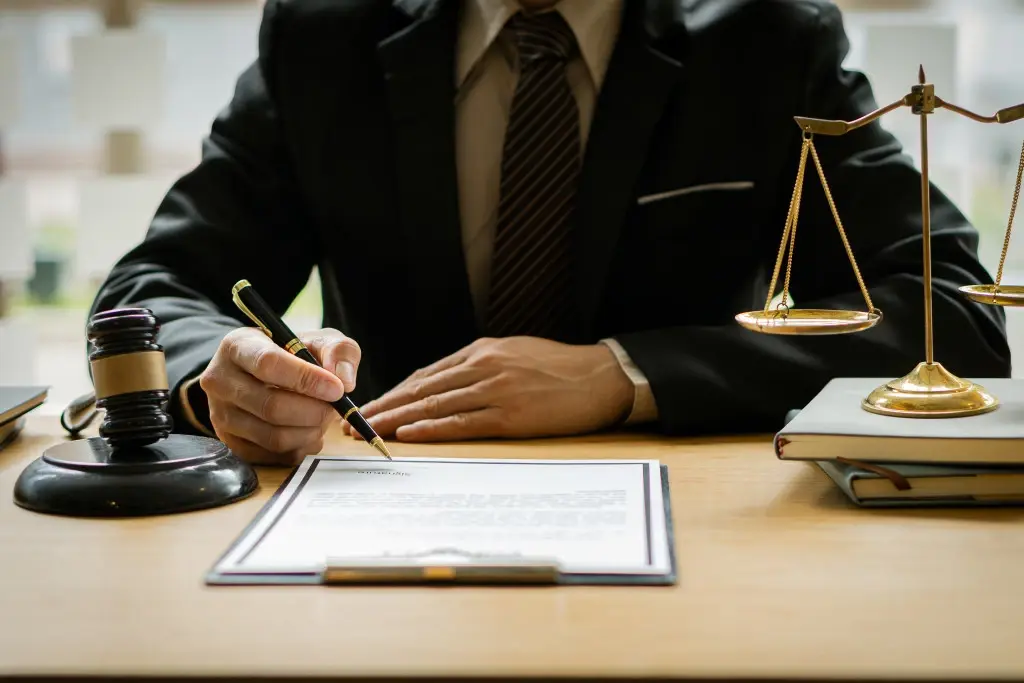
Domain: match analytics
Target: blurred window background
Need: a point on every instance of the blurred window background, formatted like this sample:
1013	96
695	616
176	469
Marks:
103	103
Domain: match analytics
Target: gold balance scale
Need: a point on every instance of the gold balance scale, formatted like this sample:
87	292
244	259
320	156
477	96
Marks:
929	390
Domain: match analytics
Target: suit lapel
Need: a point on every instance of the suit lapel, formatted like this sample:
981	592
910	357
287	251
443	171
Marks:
418	62
636	88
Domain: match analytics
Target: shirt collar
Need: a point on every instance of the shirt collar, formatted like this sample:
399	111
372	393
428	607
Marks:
595	23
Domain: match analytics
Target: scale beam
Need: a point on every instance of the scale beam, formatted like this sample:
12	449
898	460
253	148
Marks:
1007	115
837	127
1010	114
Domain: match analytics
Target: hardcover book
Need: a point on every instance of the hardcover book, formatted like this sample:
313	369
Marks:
834	425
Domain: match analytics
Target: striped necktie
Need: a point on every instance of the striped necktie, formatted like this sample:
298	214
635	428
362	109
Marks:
530	270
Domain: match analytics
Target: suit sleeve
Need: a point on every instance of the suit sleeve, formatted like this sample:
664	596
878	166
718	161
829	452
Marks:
708	379
235	215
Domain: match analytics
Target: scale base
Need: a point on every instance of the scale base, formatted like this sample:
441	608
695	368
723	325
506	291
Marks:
86	478
930	391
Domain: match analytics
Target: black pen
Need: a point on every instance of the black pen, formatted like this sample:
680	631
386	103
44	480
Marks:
253	305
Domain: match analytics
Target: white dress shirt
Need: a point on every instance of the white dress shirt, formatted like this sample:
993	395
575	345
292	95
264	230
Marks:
486	76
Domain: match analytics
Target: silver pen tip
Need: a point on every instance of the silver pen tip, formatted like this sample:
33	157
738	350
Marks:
378	443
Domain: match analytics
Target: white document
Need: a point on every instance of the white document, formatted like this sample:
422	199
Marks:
586	516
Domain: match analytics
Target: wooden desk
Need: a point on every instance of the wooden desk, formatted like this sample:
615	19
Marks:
779	578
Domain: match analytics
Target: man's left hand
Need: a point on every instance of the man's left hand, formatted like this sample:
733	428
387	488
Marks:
516	387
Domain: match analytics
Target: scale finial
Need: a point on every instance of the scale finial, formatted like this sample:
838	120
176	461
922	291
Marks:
920	74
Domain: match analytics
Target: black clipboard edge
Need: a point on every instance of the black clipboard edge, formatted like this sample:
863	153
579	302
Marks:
216	578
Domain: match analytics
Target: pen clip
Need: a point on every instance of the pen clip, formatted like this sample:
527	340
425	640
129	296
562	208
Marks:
239	286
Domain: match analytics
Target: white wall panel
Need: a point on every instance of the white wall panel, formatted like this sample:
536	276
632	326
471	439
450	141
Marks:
10	81
114	215
892	54
16	239
894	51
17	368
118	79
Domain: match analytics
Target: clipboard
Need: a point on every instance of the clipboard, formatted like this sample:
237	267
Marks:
441	566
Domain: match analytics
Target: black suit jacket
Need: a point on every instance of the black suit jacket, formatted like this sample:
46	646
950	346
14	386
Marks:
337	151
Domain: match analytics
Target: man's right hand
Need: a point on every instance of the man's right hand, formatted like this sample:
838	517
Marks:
270	407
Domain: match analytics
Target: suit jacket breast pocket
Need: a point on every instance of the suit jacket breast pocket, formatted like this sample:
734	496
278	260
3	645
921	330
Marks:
698	238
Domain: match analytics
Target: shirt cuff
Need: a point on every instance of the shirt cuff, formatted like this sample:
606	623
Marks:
644	407
187	396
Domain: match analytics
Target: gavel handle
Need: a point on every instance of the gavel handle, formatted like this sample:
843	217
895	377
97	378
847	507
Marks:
79	414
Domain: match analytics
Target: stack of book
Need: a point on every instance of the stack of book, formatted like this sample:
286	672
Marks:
878	460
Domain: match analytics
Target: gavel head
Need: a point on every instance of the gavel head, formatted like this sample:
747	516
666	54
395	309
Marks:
130	377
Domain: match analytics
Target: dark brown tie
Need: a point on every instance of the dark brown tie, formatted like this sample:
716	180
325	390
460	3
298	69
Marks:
530	271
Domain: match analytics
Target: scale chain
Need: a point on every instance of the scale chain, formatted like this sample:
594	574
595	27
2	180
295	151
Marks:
791	219
784	306
1009	225
842	233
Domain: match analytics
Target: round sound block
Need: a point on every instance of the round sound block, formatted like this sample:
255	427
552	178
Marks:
87	478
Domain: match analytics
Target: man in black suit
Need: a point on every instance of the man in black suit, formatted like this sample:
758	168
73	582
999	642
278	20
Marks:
467	178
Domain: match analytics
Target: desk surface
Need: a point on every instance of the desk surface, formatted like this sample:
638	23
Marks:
778	578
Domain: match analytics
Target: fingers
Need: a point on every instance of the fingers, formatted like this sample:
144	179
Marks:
256	455
251	453
479	424
270	404
337	353
432	407
412	390
232	421
257	355
267	405
445	363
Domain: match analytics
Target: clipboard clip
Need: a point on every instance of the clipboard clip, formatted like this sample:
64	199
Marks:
442	565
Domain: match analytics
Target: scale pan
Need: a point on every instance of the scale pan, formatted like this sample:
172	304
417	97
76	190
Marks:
1004	295
808	321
